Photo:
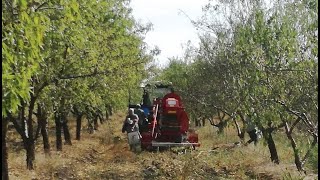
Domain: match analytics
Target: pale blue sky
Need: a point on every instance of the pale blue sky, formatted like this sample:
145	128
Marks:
171	28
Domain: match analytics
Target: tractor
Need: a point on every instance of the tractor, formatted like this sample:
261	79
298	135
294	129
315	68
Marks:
167	121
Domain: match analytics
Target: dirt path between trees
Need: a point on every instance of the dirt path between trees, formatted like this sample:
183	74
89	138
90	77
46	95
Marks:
105	155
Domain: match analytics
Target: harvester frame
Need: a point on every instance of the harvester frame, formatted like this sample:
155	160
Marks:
168	123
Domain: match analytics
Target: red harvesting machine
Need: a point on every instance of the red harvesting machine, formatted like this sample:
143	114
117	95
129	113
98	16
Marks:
168	122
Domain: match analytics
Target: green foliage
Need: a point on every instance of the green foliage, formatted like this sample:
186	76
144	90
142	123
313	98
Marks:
86	53
22	39
176	72
256	60
313	161
252	60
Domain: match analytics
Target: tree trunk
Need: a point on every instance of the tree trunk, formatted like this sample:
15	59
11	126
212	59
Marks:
66	132
243	131
38	129
203	121
43	122
271	145
78	131
221	128
90	125
297	159
95	122
314	143
29	144
45	137
100	116
107	114
110	110
197	123
27	136
58	133
24	131
5	171
240	133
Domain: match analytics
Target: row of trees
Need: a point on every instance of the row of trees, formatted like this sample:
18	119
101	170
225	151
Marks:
257	59
66	56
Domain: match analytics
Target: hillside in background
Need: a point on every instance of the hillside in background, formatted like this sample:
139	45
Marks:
105	155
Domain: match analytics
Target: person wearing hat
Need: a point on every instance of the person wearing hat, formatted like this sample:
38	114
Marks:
142	117
130	124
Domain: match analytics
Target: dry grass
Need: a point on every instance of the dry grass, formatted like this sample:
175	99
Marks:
105	155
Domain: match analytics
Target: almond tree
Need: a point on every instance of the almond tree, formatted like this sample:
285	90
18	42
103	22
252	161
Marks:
64	41
22	38
258	61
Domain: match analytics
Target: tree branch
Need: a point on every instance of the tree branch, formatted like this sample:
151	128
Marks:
303	116
17	126
314	143
212	123
294	124
41	5
46	8
95	73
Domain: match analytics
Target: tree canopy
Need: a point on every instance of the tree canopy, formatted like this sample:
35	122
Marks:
257	59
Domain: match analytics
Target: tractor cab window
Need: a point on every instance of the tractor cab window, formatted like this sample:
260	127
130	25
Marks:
160	92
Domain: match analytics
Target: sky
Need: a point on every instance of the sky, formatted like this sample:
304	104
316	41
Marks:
171	28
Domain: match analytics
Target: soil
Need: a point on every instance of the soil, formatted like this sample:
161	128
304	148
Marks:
105	154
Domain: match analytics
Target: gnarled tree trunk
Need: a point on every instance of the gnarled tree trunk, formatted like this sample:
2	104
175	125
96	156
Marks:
110	110
95	122
297	159
223	122
66	133
107	114
197	122
26	134
30	143
267	134
79	121
90	125
29	146
203	121
58	131
43	122
240	133
100	116
45	137
78	130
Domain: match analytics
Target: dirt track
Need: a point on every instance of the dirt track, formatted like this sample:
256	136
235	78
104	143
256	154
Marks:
105	155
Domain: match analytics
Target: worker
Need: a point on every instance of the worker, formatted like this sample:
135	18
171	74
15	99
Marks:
142	117
146	98
131	122
252	131
130	125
